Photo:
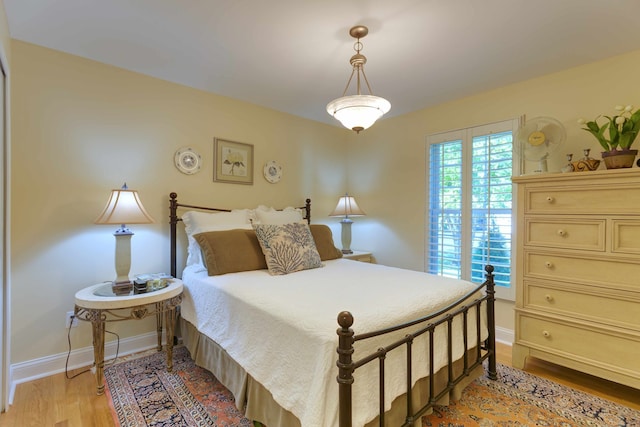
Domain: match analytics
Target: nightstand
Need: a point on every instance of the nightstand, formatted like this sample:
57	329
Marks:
359	256
98	304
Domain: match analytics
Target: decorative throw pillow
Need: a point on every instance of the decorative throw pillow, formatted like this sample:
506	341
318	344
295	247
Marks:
288	247
323	237
230	251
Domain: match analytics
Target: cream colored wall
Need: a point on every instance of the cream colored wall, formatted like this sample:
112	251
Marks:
81	128
5	59
386	172
5	40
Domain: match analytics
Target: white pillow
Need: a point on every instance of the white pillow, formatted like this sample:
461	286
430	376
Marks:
285	216
198	222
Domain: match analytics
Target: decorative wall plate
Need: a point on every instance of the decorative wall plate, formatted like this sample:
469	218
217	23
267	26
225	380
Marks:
272	171
188	161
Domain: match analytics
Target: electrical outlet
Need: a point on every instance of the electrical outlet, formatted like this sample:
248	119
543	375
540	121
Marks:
70	315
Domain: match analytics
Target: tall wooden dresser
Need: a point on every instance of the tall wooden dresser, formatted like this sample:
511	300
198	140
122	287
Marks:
578	272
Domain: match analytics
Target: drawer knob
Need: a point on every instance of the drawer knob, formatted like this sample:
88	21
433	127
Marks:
550	199
548	297
546	334
548	264
562	233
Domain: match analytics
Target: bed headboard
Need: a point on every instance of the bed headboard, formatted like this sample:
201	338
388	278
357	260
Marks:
174	219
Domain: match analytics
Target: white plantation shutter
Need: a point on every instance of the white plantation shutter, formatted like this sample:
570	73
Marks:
470	199
444	249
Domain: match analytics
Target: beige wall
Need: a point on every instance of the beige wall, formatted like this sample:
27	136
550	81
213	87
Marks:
5	56
4	32
81	128
386	171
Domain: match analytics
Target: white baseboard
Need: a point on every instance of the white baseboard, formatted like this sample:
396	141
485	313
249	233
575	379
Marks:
505	336
55	364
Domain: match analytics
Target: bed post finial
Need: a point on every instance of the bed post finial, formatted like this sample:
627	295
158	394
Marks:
345	367
307	208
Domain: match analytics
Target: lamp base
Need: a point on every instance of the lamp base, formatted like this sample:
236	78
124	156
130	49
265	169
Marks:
122	285
346	235
121	288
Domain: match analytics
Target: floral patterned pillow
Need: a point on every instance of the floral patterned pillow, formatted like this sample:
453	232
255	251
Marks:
287	248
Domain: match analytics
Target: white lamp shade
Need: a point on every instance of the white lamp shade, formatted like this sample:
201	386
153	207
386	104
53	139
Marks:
347	207
358	112
124	207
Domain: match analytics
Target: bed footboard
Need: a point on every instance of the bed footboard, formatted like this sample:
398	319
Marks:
426	325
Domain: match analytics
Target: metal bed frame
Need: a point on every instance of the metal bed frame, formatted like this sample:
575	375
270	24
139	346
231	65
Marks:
347	366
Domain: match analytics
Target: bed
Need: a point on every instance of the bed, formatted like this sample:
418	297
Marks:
270	336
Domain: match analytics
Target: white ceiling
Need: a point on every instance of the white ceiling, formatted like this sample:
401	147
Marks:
293	55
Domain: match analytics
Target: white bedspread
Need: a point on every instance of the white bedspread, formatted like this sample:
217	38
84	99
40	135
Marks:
282	329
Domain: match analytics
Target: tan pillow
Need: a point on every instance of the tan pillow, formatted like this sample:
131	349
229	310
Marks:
324	242
288	248
230	251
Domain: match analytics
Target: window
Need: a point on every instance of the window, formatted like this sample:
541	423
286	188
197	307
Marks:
470	200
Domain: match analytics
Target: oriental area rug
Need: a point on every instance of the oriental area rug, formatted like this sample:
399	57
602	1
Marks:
142	393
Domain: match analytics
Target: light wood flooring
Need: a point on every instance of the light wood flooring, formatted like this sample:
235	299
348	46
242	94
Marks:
61	402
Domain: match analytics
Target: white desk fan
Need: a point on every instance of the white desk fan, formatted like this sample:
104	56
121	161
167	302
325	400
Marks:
537	139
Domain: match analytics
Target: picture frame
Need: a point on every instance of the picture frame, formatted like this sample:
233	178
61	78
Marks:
232	162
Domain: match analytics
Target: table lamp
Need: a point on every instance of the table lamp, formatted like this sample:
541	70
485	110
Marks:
347	207
124	207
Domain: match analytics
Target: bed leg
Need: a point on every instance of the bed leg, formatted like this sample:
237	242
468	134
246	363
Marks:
491	323
345	367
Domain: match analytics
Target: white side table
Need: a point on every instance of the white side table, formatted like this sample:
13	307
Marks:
359	256
98	305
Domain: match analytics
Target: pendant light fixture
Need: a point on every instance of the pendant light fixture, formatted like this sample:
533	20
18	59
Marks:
358	112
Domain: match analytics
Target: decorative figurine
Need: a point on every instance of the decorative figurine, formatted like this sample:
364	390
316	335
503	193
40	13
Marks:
586	163
569	166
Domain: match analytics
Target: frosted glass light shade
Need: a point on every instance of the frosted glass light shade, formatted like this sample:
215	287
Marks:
358	112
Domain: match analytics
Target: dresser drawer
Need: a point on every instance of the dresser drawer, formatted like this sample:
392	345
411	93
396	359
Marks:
566	233
621	199
626	236
620	311
603	272
594	346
